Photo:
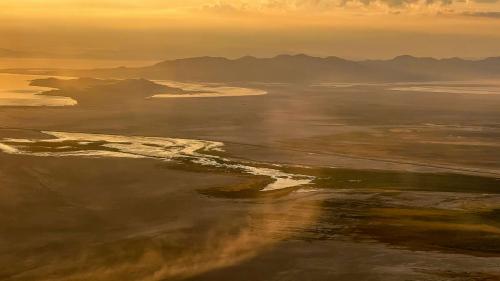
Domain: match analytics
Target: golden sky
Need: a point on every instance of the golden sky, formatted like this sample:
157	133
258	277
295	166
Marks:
154	29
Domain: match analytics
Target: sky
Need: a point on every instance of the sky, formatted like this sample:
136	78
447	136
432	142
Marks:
156	30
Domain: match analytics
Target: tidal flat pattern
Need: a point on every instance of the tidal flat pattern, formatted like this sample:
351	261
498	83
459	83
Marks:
63	144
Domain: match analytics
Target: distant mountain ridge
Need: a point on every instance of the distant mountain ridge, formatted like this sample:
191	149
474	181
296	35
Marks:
305	69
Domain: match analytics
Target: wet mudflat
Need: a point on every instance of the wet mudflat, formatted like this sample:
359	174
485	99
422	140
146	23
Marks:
395	190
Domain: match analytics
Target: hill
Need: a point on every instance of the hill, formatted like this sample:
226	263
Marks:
303	69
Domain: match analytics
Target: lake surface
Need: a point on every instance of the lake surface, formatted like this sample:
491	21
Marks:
472	89
15	90
207	90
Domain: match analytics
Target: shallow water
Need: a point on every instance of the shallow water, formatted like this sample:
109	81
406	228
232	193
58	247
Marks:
98	145
473	90
15	90
207	90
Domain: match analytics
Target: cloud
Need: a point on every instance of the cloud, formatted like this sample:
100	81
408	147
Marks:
400	3
268	5
225	8
326	5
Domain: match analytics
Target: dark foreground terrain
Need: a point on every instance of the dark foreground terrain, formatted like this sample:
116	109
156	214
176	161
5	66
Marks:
404	185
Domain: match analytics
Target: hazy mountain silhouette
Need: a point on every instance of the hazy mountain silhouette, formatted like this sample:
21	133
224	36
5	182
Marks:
304	68
439	69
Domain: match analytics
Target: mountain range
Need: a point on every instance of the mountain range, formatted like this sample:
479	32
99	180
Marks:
304	69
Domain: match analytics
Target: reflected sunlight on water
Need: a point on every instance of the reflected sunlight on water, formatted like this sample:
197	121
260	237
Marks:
15	90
